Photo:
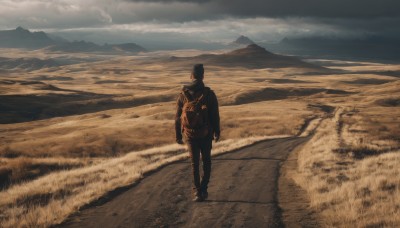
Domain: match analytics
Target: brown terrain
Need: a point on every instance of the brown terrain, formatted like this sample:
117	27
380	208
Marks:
87	139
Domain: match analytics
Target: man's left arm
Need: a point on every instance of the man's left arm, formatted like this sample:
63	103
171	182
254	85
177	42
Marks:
178	131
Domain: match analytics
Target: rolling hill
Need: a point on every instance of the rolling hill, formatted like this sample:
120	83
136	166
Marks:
252	56
83	46
26	63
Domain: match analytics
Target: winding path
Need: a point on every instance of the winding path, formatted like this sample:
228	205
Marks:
242	193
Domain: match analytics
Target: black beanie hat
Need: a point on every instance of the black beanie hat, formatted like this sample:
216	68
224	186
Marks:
198	71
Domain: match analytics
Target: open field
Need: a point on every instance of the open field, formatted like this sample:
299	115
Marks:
350	166
71	127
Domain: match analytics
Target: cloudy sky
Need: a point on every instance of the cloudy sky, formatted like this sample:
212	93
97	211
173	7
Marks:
190	22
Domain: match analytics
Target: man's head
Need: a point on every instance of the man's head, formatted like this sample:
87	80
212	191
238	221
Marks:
198	72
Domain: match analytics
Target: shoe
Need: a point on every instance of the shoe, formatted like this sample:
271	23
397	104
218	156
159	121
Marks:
198	198
205	195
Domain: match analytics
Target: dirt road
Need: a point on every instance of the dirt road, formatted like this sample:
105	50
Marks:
242	193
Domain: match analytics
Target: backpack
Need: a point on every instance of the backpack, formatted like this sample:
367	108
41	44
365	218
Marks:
194	118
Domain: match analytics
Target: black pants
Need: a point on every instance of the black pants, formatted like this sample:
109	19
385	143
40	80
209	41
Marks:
203	147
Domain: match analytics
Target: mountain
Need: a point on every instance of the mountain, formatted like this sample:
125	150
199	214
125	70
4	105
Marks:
380	48
75	46
56	38
252	51
241	41
252	56
23	38
128	47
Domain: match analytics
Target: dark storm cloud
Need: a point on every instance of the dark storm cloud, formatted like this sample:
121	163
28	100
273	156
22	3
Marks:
97	13
297	8
205	20
343	17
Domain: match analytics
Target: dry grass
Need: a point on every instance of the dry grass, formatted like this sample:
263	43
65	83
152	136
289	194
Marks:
49	200
138	128
347	191
15	170
131	109
94	114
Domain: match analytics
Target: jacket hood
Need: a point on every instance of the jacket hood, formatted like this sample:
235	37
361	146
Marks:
194	86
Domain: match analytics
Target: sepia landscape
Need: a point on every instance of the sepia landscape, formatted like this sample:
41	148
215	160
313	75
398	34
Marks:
87	135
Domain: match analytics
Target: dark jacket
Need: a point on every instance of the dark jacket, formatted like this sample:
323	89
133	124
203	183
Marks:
196	89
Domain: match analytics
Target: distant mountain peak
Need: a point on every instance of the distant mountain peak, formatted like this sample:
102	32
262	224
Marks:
242	40
19	28
252	49
23	38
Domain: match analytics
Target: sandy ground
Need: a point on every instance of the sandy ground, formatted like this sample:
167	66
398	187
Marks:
242	193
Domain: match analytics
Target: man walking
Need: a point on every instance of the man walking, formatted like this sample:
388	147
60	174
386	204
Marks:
197	119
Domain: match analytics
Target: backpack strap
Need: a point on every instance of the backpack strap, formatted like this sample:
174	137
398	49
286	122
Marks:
204	95
188	97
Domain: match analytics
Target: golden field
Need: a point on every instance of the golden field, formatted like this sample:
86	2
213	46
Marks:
70	134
